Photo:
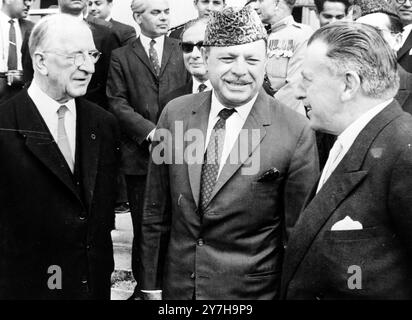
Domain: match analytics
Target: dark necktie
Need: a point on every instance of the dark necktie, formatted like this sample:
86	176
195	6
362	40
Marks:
202	87
154	58
213	154
62	139
12	60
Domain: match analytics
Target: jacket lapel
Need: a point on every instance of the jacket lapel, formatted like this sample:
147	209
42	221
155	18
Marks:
141	54
257	119
406	46
343	180
40	142
169	47
88	144
198	120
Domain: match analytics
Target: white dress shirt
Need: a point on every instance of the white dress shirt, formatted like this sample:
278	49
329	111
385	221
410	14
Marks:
48	110
196	84
4	41
159	45
234	125
405	33
347	138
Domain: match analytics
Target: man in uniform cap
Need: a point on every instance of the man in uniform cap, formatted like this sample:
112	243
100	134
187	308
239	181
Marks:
286	45
215	223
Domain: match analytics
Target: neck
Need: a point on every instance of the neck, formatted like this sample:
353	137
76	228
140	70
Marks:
201	79
45	87
75	13
281	14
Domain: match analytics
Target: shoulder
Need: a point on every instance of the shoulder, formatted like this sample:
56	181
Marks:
124	50
180	107
176	31
121	26
93	110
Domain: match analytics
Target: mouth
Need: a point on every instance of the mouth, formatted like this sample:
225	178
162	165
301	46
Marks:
237	84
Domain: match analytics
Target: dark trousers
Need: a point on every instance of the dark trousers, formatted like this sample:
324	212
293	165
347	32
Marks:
135	192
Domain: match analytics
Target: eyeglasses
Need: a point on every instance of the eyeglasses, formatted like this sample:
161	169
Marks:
79	58
401	1
187	47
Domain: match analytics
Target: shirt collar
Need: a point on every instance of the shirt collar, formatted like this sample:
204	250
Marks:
348	136
407	28
46	104
109	17
6	18
243	111
196	84
146	40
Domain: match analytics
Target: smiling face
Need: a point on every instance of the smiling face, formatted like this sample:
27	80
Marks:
404	11
236	72
100	8
204	7
155	20
332	12
193	60
64	80
320	89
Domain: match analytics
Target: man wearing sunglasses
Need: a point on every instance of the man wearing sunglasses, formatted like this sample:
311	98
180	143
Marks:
192	42
141	74
404	10
57	187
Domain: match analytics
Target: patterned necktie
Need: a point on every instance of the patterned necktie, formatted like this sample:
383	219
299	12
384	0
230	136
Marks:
154	59
213	154
202	87
62	139
12	60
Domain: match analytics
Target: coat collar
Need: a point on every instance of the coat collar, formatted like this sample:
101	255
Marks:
258	118
348	174
406	46
42	145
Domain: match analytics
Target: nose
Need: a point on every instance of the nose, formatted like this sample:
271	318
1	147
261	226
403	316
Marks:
88	65
239	68
92	7
164	16
300	92
196	52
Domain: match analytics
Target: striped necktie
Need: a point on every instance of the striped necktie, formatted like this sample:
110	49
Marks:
62	139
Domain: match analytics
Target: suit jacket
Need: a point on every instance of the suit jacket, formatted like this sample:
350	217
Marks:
181	91
125	33
404	58
49	216
372	185
404	95
235	249
105	41
135	92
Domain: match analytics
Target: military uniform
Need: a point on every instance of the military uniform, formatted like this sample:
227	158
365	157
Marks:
286	45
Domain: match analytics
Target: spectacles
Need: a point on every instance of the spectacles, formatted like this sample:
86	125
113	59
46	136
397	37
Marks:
80	58
401	1
187	47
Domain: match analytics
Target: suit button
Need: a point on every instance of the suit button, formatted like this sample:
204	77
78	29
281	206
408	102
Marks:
320	296
82	218
192	276
200	242
88	247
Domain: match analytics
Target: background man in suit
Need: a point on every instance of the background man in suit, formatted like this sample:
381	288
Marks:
352	240
404	9
192	41
214	225
56	190
14	31
141	75
286	45
102	9
204	8
330	11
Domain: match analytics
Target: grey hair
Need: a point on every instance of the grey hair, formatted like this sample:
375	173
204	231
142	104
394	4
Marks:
361	48
48	27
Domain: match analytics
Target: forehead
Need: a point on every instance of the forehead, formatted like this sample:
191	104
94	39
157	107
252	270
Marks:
65	41
218	2
195	32
257	48
333	7
378	20
99	1
157	5
315	57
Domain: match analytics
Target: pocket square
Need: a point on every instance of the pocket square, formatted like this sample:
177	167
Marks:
347	224
270	175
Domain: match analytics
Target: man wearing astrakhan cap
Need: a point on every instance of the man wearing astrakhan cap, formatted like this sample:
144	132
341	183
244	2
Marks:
229	172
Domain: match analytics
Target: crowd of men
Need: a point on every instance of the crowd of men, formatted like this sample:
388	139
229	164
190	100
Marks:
261	159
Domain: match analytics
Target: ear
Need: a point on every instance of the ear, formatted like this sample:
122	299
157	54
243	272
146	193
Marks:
39	63
137	17
352	85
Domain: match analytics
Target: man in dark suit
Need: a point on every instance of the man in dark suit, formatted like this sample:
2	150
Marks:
216	213
102	9
352	240
140	75
404	10
57	186
15	29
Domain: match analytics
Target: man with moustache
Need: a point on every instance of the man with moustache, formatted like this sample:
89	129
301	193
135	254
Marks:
57	180
141	74
352	240
215	224
330	11
14	32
